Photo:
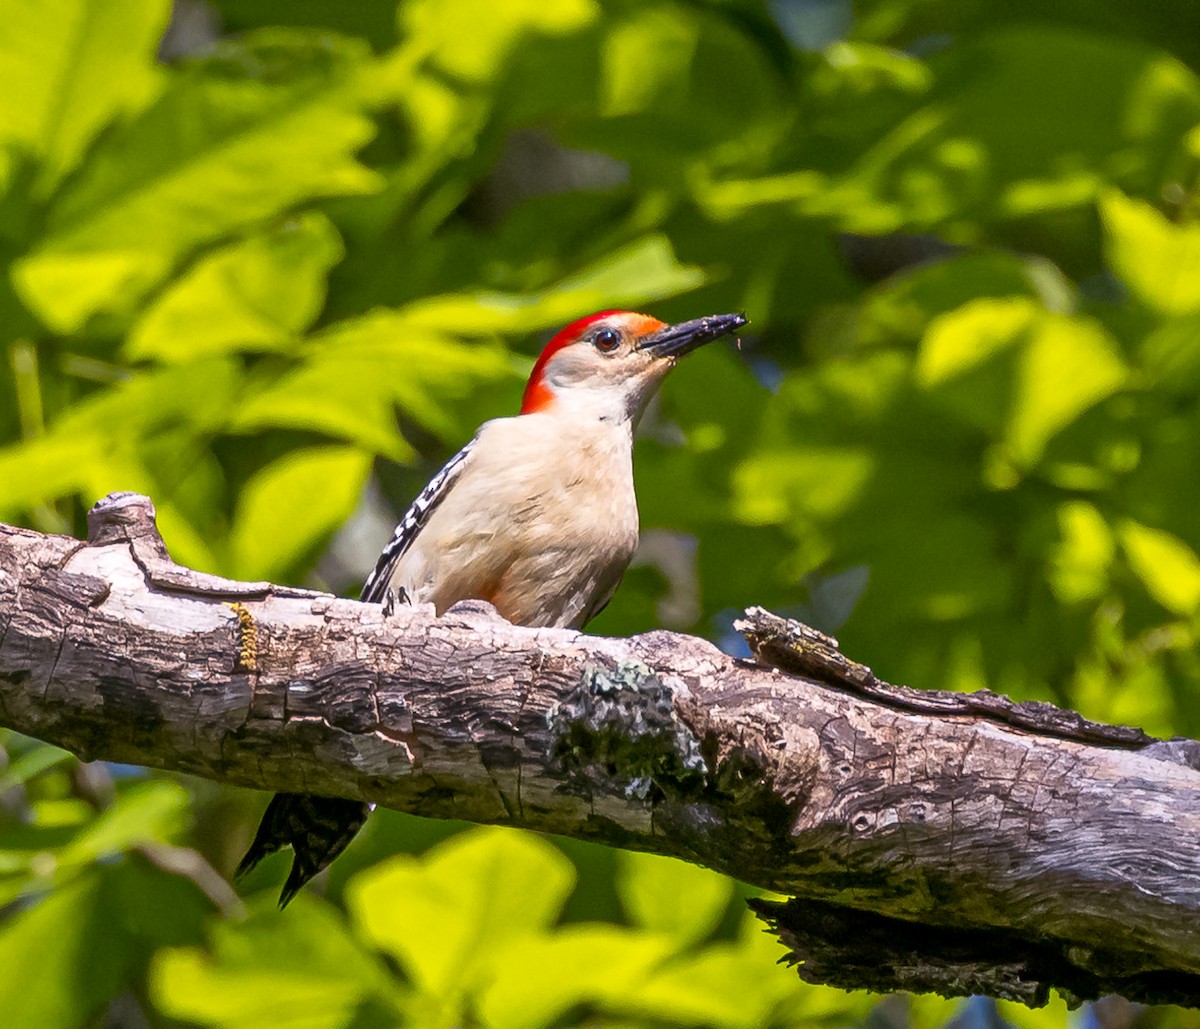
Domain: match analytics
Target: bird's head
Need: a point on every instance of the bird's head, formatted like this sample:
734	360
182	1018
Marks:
609	364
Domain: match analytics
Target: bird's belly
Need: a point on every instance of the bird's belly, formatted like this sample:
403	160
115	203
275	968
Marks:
543	567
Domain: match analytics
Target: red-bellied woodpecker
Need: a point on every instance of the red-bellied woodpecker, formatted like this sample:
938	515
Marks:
536	515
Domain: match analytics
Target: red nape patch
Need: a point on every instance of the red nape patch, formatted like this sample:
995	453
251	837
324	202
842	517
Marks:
538	396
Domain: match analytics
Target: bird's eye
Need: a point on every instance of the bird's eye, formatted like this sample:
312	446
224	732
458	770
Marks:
606	340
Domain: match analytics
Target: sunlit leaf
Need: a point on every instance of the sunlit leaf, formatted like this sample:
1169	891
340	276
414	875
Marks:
739	983
669	896
43	469
199	393
899	308
33	762
353	376
219	150
648	56
67	67
473	42
291	505
962	340
1171	355
1055	1015
1080	564
144	813
643	271
1167	567
929	1011
542	977
725	985
1012	368
983	145
72	951
255	295
57	970
449	916
92	445
1068	366
298	970
447	72
1157	260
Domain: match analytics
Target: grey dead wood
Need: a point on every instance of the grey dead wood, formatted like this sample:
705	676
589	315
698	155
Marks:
929	841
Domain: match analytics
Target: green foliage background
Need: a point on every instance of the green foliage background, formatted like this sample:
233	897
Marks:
263	276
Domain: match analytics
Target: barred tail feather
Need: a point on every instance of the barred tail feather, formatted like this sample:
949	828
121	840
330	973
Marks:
317	829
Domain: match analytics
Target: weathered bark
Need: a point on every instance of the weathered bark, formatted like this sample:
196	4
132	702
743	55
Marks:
932	841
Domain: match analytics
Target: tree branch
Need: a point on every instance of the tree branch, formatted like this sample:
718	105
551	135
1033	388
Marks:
931	841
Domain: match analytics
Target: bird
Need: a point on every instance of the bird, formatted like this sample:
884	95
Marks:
535	515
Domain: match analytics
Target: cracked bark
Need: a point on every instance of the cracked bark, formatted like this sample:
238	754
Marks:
930	841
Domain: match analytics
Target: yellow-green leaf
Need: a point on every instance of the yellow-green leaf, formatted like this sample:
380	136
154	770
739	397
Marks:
1080	563
1159	261
670	896
221	149
254	295
1166	565
447	917
544	976
68	67
288	508
295	970
353	376
640	272
1018	371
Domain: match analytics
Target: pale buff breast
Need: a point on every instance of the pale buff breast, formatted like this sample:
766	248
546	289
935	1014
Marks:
546	549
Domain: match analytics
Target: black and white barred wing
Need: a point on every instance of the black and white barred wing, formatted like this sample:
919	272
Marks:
375	589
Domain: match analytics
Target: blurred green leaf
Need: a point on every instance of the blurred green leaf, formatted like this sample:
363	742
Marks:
643	270
1021	122
33	763
1158	261
927	1011
738	984
1054	1015
291	505
1171	356
99	443
199	394
298	970
259	294
1167	567
72	951
673	897
144	813
67	68
543	977
224	147
1082	561
41	470
899	309
450	917
473	43
60	964
352	377
1010	367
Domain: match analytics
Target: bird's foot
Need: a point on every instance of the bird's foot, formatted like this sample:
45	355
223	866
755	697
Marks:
394	597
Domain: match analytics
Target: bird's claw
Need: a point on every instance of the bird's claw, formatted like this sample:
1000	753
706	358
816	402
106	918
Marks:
393	598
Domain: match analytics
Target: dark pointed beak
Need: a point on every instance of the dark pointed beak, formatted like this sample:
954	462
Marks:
677	340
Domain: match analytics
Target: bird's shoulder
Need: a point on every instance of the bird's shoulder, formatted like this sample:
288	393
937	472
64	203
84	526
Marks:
413	521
